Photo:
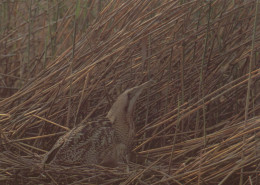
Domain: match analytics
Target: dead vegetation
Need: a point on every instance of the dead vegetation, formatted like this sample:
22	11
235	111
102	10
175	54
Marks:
64	62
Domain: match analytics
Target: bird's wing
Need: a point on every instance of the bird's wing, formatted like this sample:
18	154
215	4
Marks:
82	145
49	156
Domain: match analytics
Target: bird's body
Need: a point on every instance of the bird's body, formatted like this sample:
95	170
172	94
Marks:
105	141
83	143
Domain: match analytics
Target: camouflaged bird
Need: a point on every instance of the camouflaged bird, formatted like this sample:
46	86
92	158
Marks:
105	141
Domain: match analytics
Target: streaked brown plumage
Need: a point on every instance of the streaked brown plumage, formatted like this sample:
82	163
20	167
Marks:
105	141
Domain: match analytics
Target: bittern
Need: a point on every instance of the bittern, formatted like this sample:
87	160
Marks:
105	141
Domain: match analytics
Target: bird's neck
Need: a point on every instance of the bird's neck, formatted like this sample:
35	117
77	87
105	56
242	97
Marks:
124	131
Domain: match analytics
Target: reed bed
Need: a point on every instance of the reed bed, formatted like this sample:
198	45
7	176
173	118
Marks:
64	63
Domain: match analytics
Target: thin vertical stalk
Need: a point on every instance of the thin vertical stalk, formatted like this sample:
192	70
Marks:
70	73
175	135
47	37
182	72
3	16
193	57
168	81
148	76
249	82
250	63
45	48
71	61
147	54
201	86
26	65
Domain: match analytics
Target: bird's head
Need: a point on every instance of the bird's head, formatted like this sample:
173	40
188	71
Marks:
123	107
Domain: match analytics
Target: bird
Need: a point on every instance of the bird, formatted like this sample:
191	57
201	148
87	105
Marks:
106	141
